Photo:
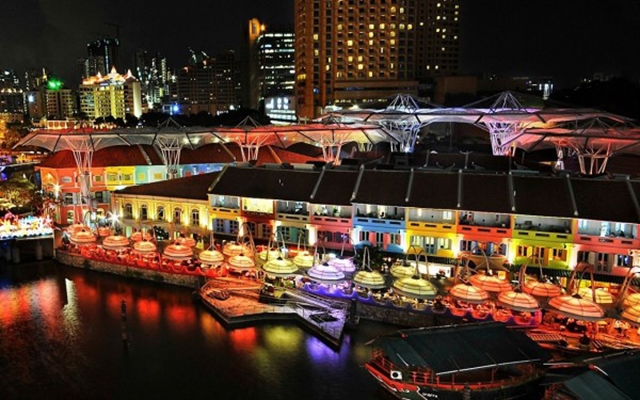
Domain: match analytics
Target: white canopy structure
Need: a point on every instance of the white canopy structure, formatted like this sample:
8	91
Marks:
170	138
329	134
83	144
588	133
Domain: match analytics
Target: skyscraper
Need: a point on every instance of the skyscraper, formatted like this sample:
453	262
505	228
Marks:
153	73
269	62
35	78
107	48
9	79
207	84
351	51
102	56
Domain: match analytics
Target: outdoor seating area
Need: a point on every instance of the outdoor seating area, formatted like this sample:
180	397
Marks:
481	293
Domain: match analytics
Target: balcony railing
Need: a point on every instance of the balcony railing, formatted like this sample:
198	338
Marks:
223	209
432	225
542	235
329	220
379	221
292	217
484	230
608	240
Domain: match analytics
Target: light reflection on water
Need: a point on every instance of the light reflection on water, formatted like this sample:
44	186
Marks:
60	336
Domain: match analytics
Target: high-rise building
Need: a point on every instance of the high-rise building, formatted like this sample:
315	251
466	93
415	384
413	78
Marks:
111	95
9	79
61	103
269	63
11	101
107	48
35	78
153	73
92	66
35	103
350	51
207	84
102	57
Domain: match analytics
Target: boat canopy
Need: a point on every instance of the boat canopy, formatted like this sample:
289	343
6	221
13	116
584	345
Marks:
461	348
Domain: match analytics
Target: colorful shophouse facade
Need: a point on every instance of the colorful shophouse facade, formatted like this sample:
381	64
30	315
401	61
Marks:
556	220
121	167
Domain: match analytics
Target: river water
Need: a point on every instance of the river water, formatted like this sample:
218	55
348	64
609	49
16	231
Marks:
60	337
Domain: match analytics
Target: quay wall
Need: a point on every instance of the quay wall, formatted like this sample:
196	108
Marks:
128	272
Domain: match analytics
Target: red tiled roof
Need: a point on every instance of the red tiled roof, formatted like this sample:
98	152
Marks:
209	154
109	157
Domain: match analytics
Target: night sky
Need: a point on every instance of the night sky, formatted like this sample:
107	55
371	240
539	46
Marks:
566	39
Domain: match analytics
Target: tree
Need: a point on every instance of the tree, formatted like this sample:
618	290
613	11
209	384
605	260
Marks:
11	134
376	257
131	121
22	192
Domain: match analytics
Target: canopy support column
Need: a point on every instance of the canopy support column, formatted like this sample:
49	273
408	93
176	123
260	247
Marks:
407	133
593	162
171	149
502	136
328	150
83	156
249	151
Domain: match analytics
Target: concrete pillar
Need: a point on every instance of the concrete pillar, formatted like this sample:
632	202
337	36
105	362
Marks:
15	254
39	251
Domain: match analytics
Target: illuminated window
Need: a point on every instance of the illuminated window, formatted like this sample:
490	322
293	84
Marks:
128	211
144	212
258	206
177	216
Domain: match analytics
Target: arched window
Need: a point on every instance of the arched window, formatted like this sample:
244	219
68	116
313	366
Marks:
160	213
128	211
177	216
144	212
195	217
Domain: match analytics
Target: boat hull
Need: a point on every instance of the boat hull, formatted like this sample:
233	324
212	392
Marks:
530	389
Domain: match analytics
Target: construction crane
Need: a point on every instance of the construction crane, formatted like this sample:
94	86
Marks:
117	26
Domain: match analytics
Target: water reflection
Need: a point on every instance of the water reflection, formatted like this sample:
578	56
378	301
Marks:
60	336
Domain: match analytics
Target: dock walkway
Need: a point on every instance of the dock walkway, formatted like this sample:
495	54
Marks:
324	318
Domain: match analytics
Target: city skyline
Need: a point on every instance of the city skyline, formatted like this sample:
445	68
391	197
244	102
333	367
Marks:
493	37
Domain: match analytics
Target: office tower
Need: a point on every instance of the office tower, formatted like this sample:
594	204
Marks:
11	101
9	79
269	63
151	70
207	84
35	103
112	95
354	51
35	78
107	49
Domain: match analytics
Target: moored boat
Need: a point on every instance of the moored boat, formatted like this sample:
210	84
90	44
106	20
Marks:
469	361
